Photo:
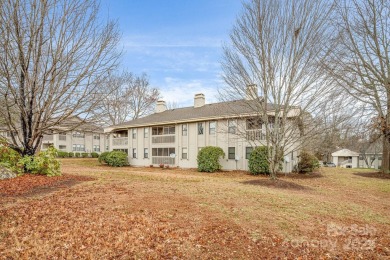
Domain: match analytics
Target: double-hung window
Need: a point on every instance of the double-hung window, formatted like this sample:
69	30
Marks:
200	128
184	130
232	125
248	151
232	153
184	153
212	126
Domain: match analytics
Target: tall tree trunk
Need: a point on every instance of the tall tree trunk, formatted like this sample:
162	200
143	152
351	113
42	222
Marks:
385	155
386	136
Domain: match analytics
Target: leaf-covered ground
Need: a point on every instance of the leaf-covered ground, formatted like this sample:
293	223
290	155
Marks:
29	183
98	212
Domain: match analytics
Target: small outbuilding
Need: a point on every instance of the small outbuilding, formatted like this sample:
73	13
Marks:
346	158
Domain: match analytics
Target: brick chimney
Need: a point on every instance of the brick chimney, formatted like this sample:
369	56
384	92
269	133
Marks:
251	92
199	100
161	106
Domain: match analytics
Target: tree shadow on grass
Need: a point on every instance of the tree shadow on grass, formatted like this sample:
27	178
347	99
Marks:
277	184
312	175
376	175
30	185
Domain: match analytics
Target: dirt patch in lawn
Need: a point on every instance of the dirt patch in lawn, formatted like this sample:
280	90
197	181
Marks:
314	175
278	184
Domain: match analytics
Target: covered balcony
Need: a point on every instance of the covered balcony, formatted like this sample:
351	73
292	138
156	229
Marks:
120	138
163	134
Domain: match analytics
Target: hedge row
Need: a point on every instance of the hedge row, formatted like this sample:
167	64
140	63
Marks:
62	154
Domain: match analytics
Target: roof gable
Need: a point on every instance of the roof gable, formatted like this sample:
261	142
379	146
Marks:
345	152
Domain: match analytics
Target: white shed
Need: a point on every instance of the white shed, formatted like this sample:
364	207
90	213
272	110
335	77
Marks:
346	158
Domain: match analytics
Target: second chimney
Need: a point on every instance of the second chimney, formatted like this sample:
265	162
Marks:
199	100
161	106
251	92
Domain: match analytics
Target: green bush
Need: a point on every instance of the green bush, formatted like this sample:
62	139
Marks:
62	154
84	155
77	155
103	157
258	161
208	159
9	158
94	155
307	162
71	155
117	159
44	163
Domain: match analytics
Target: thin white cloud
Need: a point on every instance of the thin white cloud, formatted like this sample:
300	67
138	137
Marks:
179	67
182	92
169	41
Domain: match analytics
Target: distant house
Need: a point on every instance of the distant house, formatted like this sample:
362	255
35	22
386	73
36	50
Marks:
349	159
174	137
346	158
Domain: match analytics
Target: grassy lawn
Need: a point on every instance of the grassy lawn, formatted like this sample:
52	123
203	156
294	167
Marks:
100	212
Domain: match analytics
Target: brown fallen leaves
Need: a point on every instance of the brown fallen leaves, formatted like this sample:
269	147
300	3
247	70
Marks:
27	183
175	217
72	224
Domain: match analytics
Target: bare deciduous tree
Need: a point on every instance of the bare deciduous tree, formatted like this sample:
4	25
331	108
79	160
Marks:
53	54
172	105
125	97
361	62
280	46
338	119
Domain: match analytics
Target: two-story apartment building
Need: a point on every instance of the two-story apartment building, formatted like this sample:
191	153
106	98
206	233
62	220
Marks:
76	136
174	137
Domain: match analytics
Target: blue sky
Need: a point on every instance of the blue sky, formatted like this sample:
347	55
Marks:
178	43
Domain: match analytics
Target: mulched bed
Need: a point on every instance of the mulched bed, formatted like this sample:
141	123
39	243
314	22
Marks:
32	184
377	175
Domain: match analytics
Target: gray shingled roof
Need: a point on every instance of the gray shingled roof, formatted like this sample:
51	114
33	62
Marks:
77	124
187	114
71	123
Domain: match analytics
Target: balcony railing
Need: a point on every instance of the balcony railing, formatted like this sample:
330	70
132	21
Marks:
120	141
163	139
345	162
163	160
48	138
253	135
